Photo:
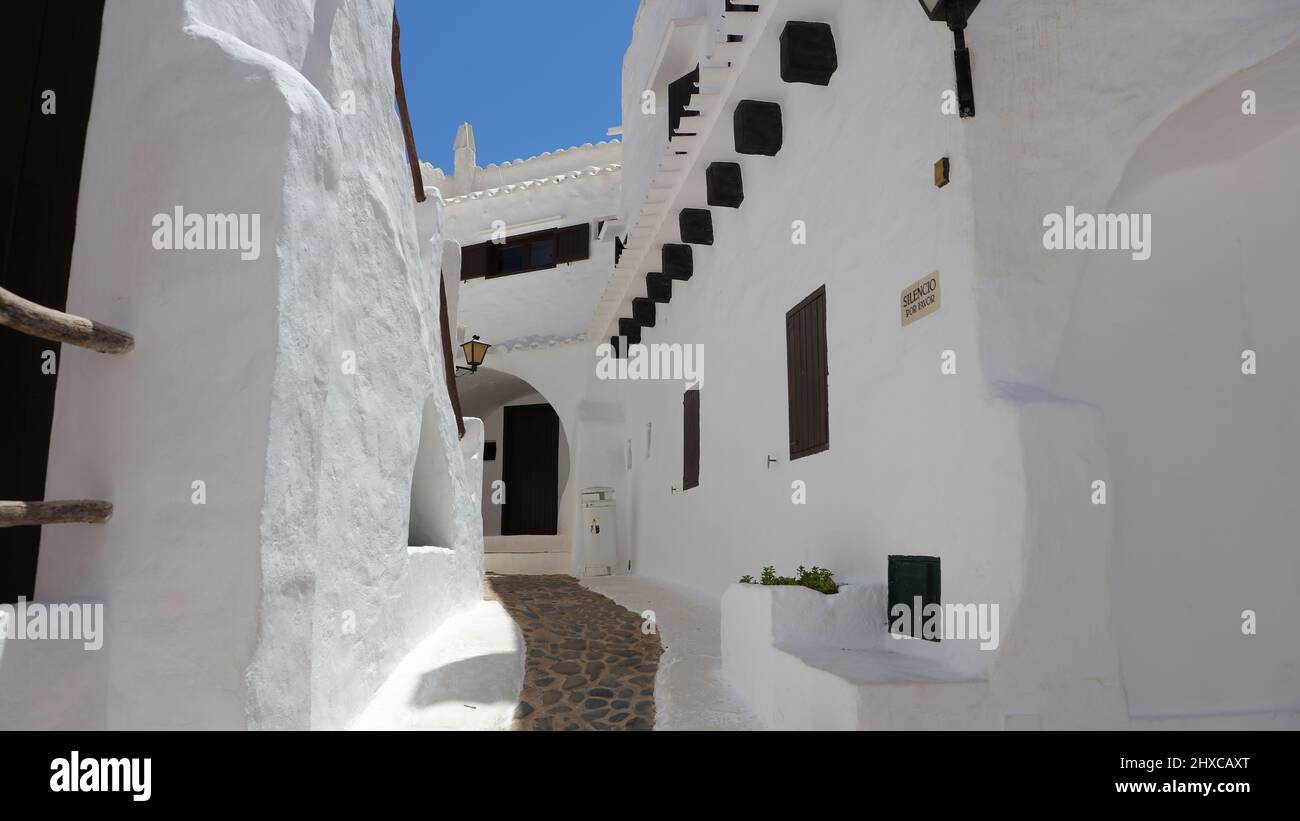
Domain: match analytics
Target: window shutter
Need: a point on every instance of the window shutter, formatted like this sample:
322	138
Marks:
473	261
910	578
573	243
806	376
691	439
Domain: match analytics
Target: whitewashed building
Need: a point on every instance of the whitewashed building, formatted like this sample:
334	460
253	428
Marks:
1005	328
293	507
905	383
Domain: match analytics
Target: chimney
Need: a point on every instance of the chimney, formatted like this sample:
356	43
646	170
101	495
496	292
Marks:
466	157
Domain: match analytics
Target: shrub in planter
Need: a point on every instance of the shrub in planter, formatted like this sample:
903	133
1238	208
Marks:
818	578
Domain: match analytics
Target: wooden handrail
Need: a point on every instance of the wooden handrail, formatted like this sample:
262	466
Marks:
449	364
32	319
412	157
18	514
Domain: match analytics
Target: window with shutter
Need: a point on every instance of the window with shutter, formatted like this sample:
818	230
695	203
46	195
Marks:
573	243
518	255
691	439
806	376
527	252
473	261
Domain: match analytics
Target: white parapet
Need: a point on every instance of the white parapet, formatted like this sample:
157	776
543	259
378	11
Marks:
805	660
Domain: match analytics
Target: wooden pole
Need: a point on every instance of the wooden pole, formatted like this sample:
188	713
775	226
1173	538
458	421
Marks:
36	320
449	364
18	514
411	155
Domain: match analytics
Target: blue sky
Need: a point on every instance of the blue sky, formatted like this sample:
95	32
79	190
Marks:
530	75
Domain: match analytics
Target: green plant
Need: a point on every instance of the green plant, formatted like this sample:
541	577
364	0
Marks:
818	578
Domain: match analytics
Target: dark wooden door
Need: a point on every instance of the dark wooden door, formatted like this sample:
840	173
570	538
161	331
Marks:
530	468
45	46
691	439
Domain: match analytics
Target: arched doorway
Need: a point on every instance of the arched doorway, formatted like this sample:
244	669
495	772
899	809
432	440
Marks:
1205	455
526	472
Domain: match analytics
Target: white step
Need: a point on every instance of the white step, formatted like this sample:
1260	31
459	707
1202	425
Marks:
525	544
744	23
686	142
714	77
729	52
527	564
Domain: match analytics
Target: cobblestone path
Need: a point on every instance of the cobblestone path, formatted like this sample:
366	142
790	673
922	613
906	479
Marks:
588	665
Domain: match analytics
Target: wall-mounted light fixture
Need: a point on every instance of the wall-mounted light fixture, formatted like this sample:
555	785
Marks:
955	13
475	352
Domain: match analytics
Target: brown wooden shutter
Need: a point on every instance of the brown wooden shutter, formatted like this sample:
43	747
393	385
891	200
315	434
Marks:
691	439
806	375
473	261
573	243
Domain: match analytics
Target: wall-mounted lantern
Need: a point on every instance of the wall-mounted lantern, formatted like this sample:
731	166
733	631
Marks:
475	352
955	13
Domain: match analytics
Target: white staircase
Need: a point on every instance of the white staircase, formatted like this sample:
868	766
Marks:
527	555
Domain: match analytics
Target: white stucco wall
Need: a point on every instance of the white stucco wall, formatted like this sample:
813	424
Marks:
1205	456
285	599
554	304
667	39
1137	107
991	468
898	428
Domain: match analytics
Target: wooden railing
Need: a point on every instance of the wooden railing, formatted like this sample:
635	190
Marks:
417	180
407	133
29	318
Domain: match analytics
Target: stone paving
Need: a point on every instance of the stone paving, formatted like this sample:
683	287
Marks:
588	666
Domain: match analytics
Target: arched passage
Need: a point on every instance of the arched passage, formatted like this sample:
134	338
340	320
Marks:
514	415
1205	457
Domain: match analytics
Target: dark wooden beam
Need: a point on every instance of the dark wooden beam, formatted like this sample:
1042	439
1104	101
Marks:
643	311
678	262
631	329
22	514
808	53
659	287
27	317
758	128
449	364
696	225
411	155
725	185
